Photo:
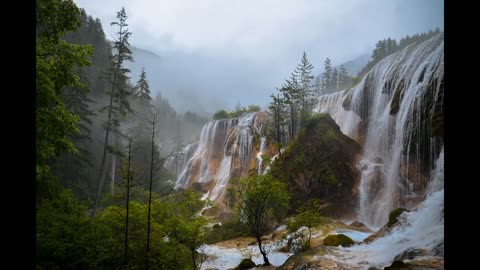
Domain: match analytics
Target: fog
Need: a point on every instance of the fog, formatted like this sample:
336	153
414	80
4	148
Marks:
214	54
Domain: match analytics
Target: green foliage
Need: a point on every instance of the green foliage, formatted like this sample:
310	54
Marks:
220	114
142	89
238	112
68	239
308	216
338	240
55	59
318	163
388	46
260	199
228	230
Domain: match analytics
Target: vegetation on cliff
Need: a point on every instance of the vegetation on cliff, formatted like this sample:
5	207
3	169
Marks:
320	163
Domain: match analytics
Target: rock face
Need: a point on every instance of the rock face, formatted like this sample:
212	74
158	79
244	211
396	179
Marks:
320	163
227	148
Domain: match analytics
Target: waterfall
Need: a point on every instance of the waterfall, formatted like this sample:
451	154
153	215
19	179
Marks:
260	153
394	114
224	150
422	228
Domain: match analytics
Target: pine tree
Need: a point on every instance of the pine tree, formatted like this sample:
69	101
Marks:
276	111
334	80
343	78
291	93
118	105
142	89
327	76
303	77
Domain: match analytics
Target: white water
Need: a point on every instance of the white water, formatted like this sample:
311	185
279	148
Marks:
386	138
225	150
422	228
227	258
260	153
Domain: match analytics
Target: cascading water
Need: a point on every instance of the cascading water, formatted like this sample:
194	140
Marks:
260	153
420	229
225	150
394	113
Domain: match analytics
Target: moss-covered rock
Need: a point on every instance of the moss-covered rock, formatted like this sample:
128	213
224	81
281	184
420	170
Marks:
320	163
338	240
245	264
393	216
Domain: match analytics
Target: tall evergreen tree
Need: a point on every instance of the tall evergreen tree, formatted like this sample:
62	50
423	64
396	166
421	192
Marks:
334	80
343	78
291	93
142	89
303	77
276	111
327	75
118	105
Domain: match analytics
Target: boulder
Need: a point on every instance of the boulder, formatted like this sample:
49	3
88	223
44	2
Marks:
338	240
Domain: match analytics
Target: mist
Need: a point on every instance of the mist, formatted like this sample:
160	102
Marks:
209	55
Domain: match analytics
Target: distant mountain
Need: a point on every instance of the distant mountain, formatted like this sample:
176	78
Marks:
354	66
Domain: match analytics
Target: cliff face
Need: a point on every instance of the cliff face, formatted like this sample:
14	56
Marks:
321	163
227	148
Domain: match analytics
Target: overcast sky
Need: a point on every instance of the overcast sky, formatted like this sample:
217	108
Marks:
259	42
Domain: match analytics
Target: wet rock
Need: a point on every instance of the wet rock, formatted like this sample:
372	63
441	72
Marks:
338	240
245	264
357	224
393	217
410	254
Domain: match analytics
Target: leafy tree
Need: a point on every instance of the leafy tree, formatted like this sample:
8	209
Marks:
220	114
55	59
308	218
258	198
67	238
253	108
187	227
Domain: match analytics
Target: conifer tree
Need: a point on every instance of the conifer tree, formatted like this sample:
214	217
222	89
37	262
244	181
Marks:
303	77
327	75
118	105
142	89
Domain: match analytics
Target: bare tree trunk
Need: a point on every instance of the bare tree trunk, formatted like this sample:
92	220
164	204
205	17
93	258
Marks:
128	200
150	195
264	254
114	159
